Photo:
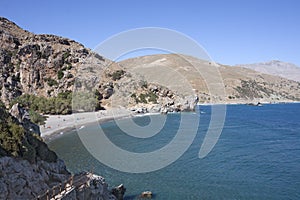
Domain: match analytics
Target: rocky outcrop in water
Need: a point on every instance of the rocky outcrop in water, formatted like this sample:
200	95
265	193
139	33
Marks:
95	189
119	192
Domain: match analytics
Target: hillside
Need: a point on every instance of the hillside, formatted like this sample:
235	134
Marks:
43	65
276	68
54	70
241	85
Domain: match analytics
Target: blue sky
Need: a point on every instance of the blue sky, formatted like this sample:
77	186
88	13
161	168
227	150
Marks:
231	31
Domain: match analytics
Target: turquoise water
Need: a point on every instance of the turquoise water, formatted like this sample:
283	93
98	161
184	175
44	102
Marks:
256	157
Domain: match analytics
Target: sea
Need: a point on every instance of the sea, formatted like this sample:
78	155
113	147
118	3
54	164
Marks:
256	155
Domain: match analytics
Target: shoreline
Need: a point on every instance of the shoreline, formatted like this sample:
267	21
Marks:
247	103
57	125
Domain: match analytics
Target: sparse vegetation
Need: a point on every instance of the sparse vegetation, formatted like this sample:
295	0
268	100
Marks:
135	98
16	141
69	67
60	74
144	84
117	75
142	98
66	55
251	89
84	101
145	97
51	82
62	104
152	97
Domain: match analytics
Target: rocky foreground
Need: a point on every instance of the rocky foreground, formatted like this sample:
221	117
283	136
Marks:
30	170
20	179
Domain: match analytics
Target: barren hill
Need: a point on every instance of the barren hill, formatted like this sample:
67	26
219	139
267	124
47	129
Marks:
241	85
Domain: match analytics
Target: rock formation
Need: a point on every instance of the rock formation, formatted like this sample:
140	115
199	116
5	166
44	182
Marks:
42	65
29	169
119	192
20	179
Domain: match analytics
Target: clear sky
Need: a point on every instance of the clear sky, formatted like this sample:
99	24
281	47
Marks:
232	31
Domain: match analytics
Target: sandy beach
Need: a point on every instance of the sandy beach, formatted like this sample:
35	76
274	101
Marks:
58	124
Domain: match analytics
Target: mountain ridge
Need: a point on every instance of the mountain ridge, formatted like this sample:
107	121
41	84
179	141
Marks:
277	68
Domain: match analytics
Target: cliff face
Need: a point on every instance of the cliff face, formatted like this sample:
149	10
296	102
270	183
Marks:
43	65
20	179
29	169
27	166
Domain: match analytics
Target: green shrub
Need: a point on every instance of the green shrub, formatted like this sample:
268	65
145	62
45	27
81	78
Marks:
60	74
152	97
117	75
69	67
37	118
51	82
142	98
66	55
18	142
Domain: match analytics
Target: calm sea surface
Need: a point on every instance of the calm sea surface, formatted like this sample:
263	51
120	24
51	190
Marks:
256	157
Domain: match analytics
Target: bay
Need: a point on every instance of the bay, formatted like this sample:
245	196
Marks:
256	157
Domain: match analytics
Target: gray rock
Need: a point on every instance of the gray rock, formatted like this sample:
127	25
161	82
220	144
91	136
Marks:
119	192
155	108
23	180
3	189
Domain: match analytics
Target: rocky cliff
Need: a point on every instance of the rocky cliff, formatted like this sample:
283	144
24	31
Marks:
27	166
30	170
42	65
